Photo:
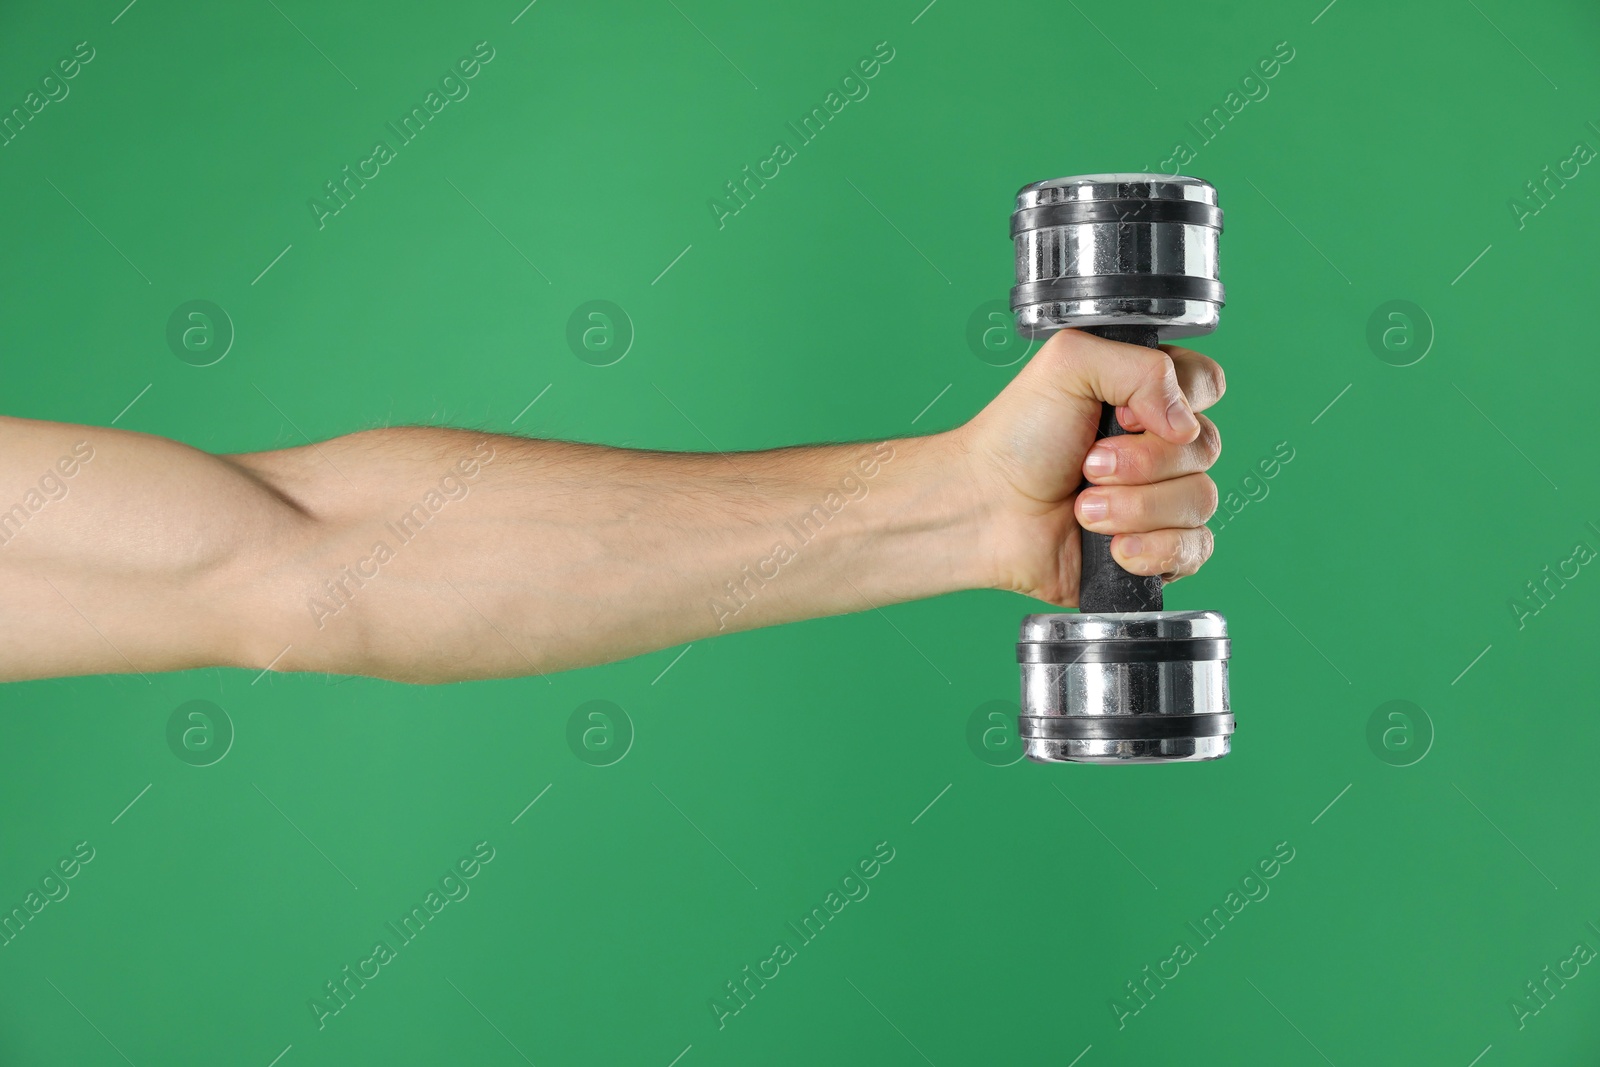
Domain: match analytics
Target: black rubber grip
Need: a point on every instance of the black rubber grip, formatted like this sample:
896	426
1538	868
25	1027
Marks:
1104	585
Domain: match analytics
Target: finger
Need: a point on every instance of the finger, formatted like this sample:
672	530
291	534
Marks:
1090	369
1173	554
1142	458
1200	378
1175	504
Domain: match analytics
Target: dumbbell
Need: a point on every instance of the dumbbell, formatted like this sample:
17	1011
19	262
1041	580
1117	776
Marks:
1132	258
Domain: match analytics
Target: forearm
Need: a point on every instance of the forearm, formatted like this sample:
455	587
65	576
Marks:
435	555
484	556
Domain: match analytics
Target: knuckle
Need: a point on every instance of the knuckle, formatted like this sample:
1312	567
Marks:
1136	508
1062	345
1208	498
1160	371
1169	374
1192	554
1193	548
1175	558
1209	443
1063	354
1134	463
1178	551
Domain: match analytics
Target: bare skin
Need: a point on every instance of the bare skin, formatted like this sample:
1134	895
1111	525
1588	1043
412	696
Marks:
431	555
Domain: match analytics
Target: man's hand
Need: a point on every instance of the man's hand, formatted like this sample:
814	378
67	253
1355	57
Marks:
1030	449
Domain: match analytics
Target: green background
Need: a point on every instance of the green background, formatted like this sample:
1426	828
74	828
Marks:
1379	565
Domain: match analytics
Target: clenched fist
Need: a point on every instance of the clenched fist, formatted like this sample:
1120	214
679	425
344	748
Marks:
1030	449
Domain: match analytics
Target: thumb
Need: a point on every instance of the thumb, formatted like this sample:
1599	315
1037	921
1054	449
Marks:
1085	367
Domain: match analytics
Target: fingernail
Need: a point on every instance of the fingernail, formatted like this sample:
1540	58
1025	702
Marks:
1100	461
1092	507
1179	417
1131	547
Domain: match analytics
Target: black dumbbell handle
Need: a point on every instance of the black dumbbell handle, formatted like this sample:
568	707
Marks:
1104	585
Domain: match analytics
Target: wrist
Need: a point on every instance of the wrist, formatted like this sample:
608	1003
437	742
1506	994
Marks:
938	514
